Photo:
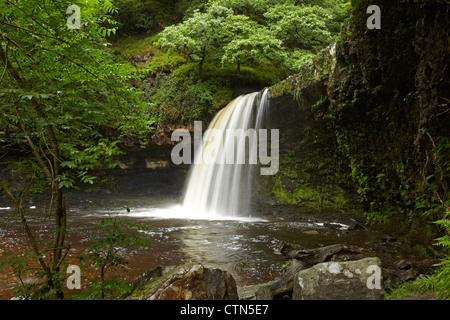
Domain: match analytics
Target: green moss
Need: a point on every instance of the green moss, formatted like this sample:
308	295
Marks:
161	61
140	291
262	75
320	69
285	87
319	197
303	179
128	47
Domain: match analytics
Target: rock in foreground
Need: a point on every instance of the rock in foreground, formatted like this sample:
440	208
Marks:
350	280
187	282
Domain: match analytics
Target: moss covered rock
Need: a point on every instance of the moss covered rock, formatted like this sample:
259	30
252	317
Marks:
190	281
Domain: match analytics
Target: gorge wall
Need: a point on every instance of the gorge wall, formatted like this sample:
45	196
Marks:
364	128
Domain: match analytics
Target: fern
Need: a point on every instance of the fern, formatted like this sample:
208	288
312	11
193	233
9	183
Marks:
442	277
438	283
110	7
444	240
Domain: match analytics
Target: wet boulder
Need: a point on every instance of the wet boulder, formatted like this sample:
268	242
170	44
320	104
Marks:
190	281
302	259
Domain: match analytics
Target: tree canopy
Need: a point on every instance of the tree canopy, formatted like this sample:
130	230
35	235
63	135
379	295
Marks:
285	33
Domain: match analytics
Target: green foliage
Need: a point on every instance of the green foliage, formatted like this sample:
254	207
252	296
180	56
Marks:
181	99
218	33
135	16
441	279
197	37
84	161
201	52
436	285
189	70
254	44
310	175
113	236
322	197
285	266
193	66
76	89
269	32
61	93
301	27
445	240
163	62
149	16
24	267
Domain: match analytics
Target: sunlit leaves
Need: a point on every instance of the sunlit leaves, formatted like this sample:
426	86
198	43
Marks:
282	33
219	33
306	25
198	36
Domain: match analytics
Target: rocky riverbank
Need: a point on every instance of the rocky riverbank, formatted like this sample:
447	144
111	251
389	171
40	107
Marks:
335	272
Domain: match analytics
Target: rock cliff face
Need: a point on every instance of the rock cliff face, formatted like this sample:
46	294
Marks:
365	126
308	159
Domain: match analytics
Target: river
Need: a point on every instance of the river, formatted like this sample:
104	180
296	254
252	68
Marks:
247	247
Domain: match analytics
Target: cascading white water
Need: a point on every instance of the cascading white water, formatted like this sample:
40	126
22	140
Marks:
220	179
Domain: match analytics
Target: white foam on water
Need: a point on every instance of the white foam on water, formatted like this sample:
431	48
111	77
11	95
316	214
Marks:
179	212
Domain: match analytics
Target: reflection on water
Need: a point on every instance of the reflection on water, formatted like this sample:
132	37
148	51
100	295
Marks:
220	242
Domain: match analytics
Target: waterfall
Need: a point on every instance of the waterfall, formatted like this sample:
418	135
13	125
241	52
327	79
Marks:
219	182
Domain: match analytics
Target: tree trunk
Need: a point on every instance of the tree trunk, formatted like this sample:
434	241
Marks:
60	214
52	172
27	229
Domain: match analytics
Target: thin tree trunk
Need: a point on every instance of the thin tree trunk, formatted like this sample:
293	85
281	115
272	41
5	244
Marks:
26	227
60	213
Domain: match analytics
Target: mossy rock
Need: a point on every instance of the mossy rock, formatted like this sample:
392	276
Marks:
191	281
